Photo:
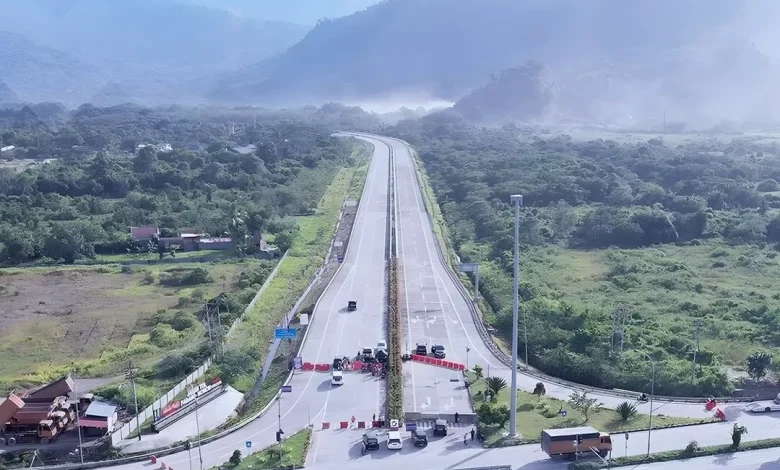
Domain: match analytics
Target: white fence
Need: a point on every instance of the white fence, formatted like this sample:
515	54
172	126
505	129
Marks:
131	426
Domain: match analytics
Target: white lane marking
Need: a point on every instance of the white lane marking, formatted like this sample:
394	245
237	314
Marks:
423	223
352	277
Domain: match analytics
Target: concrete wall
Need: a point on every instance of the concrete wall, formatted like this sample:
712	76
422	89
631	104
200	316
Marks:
131	426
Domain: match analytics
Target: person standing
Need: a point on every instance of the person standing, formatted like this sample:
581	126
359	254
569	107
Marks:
472	433
457	417
465	439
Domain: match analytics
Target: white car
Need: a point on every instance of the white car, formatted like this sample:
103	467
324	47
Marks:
337	378
394	440
763	407
382	345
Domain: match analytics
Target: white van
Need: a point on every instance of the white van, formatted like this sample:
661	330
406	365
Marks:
394	440
337	378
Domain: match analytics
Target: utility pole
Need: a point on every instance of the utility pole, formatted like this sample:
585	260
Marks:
664	122
517	200
197	429
619	321
130	374
696	351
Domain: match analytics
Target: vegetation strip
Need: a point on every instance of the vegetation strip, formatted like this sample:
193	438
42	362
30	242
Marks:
690	452
292	455
537	412
395	392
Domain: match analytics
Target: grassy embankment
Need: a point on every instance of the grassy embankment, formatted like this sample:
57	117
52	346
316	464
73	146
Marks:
535	414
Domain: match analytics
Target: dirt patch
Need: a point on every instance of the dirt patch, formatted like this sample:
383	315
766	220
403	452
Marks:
67	314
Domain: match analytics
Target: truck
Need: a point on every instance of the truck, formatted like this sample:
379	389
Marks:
568	442
32	422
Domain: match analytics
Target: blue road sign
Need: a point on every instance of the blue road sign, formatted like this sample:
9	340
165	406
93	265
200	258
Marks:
285	333
248	444
411	426
286	388
563	413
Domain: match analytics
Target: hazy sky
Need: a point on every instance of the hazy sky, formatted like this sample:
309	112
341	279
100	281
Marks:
305	12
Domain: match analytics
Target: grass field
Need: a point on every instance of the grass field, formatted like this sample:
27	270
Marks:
731	289
304	258
535	414
93	319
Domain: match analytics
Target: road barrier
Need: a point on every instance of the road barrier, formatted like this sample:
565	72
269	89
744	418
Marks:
325	425
343	424
438	362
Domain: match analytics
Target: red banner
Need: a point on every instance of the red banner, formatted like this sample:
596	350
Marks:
171	408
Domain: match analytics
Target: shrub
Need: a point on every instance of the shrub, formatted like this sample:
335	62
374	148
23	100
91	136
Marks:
691	448
718	264
626	410
190	277
235	459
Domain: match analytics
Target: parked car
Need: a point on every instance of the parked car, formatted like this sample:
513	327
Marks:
394	440
419	438
351	306
370	442
438	351
422	350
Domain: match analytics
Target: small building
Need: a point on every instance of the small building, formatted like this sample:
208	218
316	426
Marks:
7	148
98	419
224	243
140	234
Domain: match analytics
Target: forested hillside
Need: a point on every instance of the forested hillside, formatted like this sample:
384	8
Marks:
670	232
100	183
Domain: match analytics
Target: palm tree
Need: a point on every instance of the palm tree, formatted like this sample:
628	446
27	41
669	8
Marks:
626	410
495	385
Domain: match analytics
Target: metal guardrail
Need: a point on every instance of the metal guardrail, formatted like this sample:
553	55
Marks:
500	355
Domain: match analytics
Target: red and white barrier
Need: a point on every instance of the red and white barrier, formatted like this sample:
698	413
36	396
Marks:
438	362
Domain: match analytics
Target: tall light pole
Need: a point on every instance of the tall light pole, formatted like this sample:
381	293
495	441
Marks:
652	392
78	422
197	429
517	200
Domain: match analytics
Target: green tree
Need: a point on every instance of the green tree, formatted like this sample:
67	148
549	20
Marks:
478	371
585	405
539	390
495	385
235	459
757	364
626	410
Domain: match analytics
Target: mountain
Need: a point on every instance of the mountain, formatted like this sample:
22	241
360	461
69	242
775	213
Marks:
7	95
445	48
306	12
40	73
517	94
159	49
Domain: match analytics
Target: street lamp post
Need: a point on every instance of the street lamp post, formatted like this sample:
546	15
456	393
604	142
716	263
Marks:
652	392
517	200
467	357
197	429
78	423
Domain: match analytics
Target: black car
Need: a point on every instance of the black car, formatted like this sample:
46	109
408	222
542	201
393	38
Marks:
438	351
419	438
440	428
370	442
351	306
421	350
